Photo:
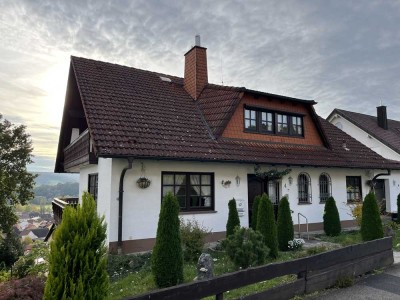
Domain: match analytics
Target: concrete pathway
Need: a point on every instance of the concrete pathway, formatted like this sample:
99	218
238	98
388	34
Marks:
382	286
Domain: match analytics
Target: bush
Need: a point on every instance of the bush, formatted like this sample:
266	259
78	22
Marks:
296	244
356	212
332	226
167	258
285	224
21	289
10	249
192	235
246	248
233	218
78	260
120	266
22	266
255	212
371	225
398	207
266	225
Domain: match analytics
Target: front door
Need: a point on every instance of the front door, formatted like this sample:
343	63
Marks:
380	194
257	186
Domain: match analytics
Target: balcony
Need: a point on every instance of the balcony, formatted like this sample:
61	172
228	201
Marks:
79	152
59	204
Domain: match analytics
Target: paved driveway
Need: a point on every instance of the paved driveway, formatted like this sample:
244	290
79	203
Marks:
381	286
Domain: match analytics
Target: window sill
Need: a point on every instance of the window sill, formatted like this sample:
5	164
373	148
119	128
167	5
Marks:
192	212
304	203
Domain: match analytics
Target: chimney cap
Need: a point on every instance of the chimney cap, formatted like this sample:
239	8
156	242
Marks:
197	40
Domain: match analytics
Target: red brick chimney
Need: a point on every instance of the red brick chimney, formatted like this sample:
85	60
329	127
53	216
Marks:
195	70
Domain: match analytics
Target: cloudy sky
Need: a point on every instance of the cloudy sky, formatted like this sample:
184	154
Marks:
343	54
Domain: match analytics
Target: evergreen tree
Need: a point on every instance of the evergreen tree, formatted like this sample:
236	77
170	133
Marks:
398	207
255	212
167	257
266	225
332	226
233	218
285	224
78	259
371	223
10	249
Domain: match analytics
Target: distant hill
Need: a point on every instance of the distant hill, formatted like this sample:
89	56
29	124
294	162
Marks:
48	178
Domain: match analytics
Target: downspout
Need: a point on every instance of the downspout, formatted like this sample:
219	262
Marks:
121	200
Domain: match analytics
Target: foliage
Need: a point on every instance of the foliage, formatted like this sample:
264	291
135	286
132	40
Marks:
332	226
78	261
193	235
233	218
296	244
285	224
345	282
15	181
255	212
271	174
356	211
120	266
22	265
266	225
316	250
34	263
346	238
398	207
4	275
58	190
245	248
21	289
10	249
167	258
371	225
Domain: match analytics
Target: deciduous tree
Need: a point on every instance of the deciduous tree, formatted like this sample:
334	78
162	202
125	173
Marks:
16	183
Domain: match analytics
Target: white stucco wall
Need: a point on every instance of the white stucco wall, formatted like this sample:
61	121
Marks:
141	206
392	183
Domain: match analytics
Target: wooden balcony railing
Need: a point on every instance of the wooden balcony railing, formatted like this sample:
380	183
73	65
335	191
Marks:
59	204
79	152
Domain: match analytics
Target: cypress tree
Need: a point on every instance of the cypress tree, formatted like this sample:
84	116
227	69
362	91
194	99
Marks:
255	212
371	223
332	226
167	257
285	224
233	218
78	259
398	206
266	225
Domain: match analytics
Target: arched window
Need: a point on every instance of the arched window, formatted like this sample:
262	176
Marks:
325	187
304	186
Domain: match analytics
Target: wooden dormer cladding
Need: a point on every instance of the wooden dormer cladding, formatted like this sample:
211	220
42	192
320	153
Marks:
235	127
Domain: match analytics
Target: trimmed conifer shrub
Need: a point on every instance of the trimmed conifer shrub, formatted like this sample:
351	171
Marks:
398	207
266	225
285	224
233	218
371	223
255	212
332	226
167	257
78	259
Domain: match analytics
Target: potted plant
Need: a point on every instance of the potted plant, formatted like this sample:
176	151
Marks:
143	182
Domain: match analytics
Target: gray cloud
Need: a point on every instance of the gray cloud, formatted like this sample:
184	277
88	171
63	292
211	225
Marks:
343	54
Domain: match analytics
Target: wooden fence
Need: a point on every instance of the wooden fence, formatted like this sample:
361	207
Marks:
313	273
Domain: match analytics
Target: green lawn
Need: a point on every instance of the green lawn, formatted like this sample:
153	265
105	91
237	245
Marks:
346	238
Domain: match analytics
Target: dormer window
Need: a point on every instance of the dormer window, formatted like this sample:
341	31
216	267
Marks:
272	122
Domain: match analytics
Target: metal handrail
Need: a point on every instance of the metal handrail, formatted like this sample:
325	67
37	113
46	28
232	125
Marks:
299	225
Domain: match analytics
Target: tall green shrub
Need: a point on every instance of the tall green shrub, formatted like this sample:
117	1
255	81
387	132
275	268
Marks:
332	226
266	225
255	212
233	218
10	248
398	207
167	257
285	224
78	260
371	223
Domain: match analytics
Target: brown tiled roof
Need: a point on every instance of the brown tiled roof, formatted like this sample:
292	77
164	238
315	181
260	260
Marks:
389	137
132	112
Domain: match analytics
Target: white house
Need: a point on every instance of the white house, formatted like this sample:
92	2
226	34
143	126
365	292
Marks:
206	143
381	135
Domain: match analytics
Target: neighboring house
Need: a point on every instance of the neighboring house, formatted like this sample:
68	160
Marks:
122	124
380	134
